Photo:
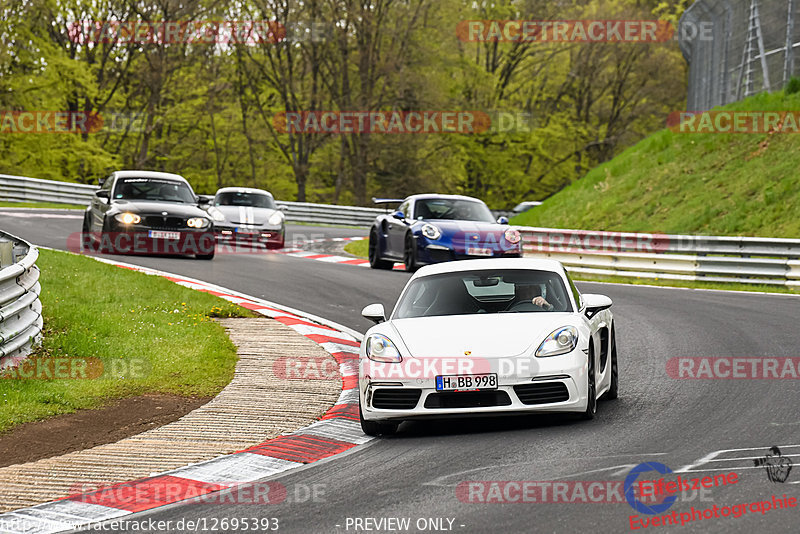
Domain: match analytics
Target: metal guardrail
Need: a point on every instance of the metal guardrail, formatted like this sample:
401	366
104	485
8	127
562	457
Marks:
307	212
22	189
20	308
758	260
753	260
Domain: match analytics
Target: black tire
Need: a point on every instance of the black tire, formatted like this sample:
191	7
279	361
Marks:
613	390
87	241
108	248
374	257
376	428
209	256
591	405
410	254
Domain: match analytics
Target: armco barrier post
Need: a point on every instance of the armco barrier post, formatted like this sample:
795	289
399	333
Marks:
6	253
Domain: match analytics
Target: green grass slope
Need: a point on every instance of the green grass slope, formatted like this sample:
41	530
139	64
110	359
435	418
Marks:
687	183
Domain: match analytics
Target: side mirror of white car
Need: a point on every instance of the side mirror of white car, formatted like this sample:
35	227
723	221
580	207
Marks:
595	303
374	312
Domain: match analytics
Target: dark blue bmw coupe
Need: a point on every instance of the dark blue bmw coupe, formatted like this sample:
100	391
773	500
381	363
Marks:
434	228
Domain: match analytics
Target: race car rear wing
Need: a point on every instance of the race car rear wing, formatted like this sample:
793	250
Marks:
387	201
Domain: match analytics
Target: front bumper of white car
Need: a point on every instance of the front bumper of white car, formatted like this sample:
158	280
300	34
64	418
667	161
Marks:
558	385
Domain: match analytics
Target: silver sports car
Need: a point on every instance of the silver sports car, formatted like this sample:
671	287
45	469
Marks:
242	214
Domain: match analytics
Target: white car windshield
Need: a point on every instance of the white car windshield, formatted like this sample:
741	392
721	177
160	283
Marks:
236	198
471	292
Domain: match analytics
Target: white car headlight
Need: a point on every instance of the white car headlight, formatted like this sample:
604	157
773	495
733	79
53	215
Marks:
128	218
431	232
381	349
216	214
560	341
512	236
198	222
276	218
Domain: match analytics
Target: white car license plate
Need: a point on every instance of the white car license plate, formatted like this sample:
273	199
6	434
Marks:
241	230
466	382
475	251
158	234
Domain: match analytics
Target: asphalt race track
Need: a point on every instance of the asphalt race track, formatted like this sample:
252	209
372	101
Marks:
416	474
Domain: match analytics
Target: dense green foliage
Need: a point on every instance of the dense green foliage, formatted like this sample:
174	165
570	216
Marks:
206	110
690	183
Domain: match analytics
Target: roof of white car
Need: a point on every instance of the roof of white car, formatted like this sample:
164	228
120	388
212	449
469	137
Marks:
243	190
150	174
491	263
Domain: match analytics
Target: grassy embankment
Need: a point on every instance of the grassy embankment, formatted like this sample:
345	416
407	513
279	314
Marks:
151	335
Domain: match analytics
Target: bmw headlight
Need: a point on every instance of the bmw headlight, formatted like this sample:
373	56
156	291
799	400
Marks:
512	236
431	232
381	349
198	222
128	218
275	219
560	341
216	214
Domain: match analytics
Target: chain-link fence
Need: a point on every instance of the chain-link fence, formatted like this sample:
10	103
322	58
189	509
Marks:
737	48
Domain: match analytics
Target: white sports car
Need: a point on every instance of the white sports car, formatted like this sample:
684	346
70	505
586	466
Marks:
243	214
486	336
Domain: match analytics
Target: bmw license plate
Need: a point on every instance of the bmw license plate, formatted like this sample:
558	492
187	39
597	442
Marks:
157	234
466	382
475	251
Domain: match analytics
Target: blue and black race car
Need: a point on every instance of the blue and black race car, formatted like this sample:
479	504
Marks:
434	228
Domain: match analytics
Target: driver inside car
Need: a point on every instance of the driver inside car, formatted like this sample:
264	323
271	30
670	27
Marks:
528	295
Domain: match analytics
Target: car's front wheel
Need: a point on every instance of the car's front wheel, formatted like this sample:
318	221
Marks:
376	428
591	388
410	255
209	256
375	260
106	245
87	241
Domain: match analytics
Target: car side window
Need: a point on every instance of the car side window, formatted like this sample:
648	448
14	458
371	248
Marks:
107	184
404	208
575	293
